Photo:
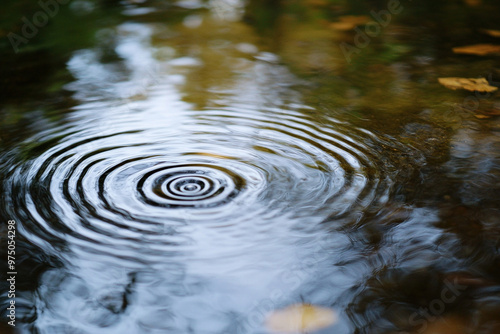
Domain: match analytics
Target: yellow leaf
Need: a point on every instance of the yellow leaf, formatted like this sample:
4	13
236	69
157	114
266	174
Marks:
492	33
470	84
478	49
299	318
482	116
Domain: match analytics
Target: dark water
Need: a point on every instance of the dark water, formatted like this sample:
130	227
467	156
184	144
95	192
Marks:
188	167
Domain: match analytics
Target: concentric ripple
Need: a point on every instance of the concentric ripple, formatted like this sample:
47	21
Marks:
124	175
189	185
224	193
255	170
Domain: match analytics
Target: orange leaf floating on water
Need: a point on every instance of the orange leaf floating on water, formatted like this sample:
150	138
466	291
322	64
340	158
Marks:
300	318
478	49
470	84
492	33
349	22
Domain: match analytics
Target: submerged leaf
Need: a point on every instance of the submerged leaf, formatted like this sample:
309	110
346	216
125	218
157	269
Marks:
299	318
349	22
478	49
492	33
471	84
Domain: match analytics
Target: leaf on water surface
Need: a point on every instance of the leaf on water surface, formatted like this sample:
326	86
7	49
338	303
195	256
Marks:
492	33
349	22
470	84
300	318
478	49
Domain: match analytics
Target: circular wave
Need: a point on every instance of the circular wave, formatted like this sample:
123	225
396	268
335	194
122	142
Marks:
225	194
249	171
189	185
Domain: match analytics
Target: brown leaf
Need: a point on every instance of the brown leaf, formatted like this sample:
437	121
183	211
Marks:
470	84
349	22
492	33
300	318
478	49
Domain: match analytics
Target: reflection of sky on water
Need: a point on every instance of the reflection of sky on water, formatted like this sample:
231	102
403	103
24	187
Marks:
314	216
202	270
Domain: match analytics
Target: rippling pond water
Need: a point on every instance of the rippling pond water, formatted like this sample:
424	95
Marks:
190	167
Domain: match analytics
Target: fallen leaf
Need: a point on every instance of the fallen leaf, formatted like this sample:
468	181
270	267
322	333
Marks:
470	84
492	33
478	49
300	318
482	116
342	26
349	22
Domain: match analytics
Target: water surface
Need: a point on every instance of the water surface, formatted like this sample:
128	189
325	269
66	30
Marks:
188	167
